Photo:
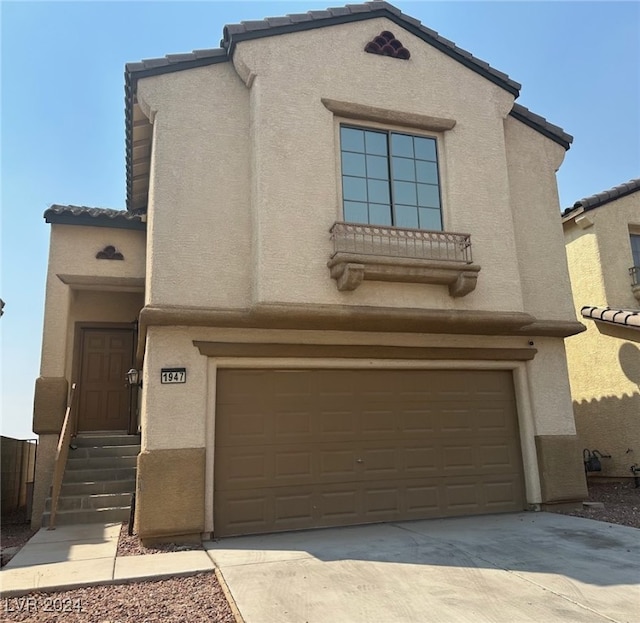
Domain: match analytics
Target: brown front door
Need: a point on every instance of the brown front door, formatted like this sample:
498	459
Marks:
105	399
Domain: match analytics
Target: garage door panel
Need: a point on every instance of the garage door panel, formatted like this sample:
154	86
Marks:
417	421
498	495
311	448
380	462
338	463
337	425
243	424
295	423
422	460
495	420
458	458
422	500
456	421
377	423
382	503
494	456
462	497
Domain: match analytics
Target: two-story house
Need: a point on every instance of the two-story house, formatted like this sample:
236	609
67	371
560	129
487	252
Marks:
602	238
341	272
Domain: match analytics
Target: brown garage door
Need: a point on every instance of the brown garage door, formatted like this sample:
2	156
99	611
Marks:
308	448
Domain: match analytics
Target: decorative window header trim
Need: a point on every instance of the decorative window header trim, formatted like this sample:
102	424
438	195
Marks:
417	121
386	44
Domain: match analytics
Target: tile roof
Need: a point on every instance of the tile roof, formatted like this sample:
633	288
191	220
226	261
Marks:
624	317
554	132
599	199
95	217
234	33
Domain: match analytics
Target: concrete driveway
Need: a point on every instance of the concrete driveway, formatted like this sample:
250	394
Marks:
537	567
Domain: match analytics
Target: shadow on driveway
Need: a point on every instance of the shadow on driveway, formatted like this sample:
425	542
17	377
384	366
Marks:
514	567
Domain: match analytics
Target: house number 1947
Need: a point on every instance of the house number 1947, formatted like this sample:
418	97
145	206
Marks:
173	375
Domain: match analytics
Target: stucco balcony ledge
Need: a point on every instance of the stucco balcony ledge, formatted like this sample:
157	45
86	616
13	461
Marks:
401	255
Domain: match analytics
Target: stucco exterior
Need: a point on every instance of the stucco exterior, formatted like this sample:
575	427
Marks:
80	288
604	361
244	184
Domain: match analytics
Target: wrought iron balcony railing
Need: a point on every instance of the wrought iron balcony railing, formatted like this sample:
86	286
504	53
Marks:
379	253
397	242
634	271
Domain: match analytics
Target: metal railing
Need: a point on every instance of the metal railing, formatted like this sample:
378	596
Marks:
62	453
398	242
634	271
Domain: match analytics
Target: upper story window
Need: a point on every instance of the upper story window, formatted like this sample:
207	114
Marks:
390	178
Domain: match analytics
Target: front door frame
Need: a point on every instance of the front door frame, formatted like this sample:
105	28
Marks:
78	341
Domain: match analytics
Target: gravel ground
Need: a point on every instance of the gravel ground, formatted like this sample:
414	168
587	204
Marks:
14	533
200	598
131	546
621	503
178	600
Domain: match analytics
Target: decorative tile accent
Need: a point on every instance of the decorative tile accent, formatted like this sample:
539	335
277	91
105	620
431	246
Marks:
386	44
109	253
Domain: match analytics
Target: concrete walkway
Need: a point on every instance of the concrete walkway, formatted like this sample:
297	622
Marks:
85	555
523	567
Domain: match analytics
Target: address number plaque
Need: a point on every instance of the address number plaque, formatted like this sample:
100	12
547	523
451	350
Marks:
173	375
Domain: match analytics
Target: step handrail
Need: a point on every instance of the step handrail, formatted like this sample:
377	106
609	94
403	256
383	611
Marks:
62	452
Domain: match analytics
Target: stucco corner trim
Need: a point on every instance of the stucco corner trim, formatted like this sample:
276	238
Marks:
351	269
363	112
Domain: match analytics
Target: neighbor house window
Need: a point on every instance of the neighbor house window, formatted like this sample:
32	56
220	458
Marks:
635	248
390	178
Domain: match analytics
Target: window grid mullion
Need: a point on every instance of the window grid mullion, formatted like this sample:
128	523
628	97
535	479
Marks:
392	200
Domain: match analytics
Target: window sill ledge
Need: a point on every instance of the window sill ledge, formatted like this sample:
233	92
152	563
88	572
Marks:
351	269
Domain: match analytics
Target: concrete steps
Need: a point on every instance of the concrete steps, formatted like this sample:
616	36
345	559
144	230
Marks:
99	478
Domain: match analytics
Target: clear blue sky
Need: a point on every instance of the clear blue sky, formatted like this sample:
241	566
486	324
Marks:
63	113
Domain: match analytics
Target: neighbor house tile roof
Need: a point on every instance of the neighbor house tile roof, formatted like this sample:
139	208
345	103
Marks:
94	217
606	196
272	26
624	317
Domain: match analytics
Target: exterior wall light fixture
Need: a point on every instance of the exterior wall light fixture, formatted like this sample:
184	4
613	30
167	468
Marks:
134	377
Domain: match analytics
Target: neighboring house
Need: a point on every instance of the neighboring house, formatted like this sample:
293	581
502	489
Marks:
347	355
602	239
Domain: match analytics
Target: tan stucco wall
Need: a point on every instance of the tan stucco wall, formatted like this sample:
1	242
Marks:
537	223
247	221
198	221
549	386
96	291
604	363
245	184
183	415
72	251
170	494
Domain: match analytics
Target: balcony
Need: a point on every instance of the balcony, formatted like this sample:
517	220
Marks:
634	271
381	253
